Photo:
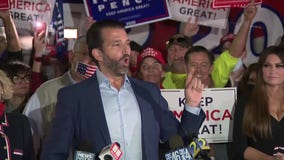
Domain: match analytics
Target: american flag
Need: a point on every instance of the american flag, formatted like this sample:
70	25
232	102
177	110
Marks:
86	70
58	25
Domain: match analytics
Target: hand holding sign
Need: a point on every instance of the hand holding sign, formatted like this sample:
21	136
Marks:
193	89
191	28
89	22
250	11
39	43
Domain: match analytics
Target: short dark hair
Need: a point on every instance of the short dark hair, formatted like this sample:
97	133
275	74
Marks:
194	49
94	34
136	47
17	67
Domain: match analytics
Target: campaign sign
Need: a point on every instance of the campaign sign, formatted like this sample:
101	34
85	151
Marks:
230	3
202	10
131	13
218	105
4	4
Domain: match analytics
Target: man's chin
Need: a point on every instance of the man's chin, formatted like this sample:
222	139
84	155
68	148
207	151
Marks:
123	71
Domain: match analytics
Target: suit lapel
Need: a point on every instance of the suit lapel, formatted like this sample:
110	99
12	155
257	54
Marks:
143	106
97	110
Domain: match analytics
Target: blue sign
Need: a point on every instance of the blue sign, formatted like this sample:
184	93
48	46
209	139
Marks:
130	12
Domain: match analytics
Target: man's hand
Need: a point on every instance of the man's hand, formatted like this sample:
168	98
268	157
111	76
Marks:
39	43
89	22
193	90
190	28
250	11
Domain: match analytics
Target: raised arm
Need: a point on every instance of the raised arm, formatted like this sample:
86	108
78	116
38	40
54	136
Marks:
38	44
240	40
13	41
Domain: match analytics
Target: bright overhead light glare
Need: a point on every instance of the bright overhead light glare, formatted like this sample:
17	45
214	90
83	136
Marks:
70	33
38	24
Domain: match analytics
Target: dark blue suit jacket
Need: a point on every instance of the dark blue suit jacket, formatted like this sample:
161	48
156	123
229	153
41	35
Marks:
80	117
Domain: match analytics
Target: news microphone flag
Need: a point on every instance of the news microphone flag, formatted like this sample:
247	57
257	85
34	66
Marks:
198	147
84	151
85	70
179	154
115	151
111	151
82	155
202	144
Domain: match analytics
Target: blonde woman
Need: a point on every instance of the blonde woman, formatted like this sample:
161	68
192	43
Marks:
259	116
16	139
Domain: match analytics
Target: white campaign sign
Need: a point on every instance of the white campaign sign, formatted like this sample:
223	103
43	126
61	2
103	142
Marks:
202	10
218	105
26	13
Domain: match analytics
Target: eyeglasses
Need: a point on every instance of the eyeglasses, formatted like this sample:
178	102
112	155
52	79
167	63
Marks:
17	79
178	40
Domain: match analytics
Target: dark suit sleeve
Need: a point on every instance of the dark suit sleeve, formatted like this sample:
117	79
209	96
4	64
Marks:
170	126
60	137
191	123
239	139
28	141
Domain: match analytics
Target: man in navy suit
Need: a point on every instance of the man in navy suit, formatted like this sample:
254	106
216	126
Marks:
112	107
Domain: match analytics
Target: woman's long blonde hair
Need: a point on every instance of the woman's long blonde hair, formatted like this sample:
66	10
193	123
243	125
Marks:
6	84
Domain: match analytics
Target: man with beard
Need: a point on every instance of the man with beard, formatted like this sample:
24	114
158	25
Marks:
112	107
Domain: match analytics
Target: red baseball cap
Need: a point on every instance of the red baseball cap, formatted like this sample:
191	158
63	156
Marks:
150	52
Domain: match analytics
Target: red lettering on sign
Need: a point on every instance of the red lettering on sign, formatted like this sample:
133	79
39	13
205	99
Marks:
31	6
217	115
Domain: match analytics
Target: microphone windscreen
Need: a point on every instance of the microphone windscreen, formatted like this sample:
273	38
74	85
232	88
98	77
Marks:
85	146
107	157
191	137
175	142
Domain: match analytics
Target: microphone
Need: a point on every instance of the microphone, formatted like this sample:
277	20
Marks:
111	152
176	142
179	152
199	148
84	151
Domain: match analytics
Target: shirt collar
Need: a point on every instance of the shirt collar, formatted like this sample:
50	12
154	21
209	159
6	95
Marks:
70	77
102	79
